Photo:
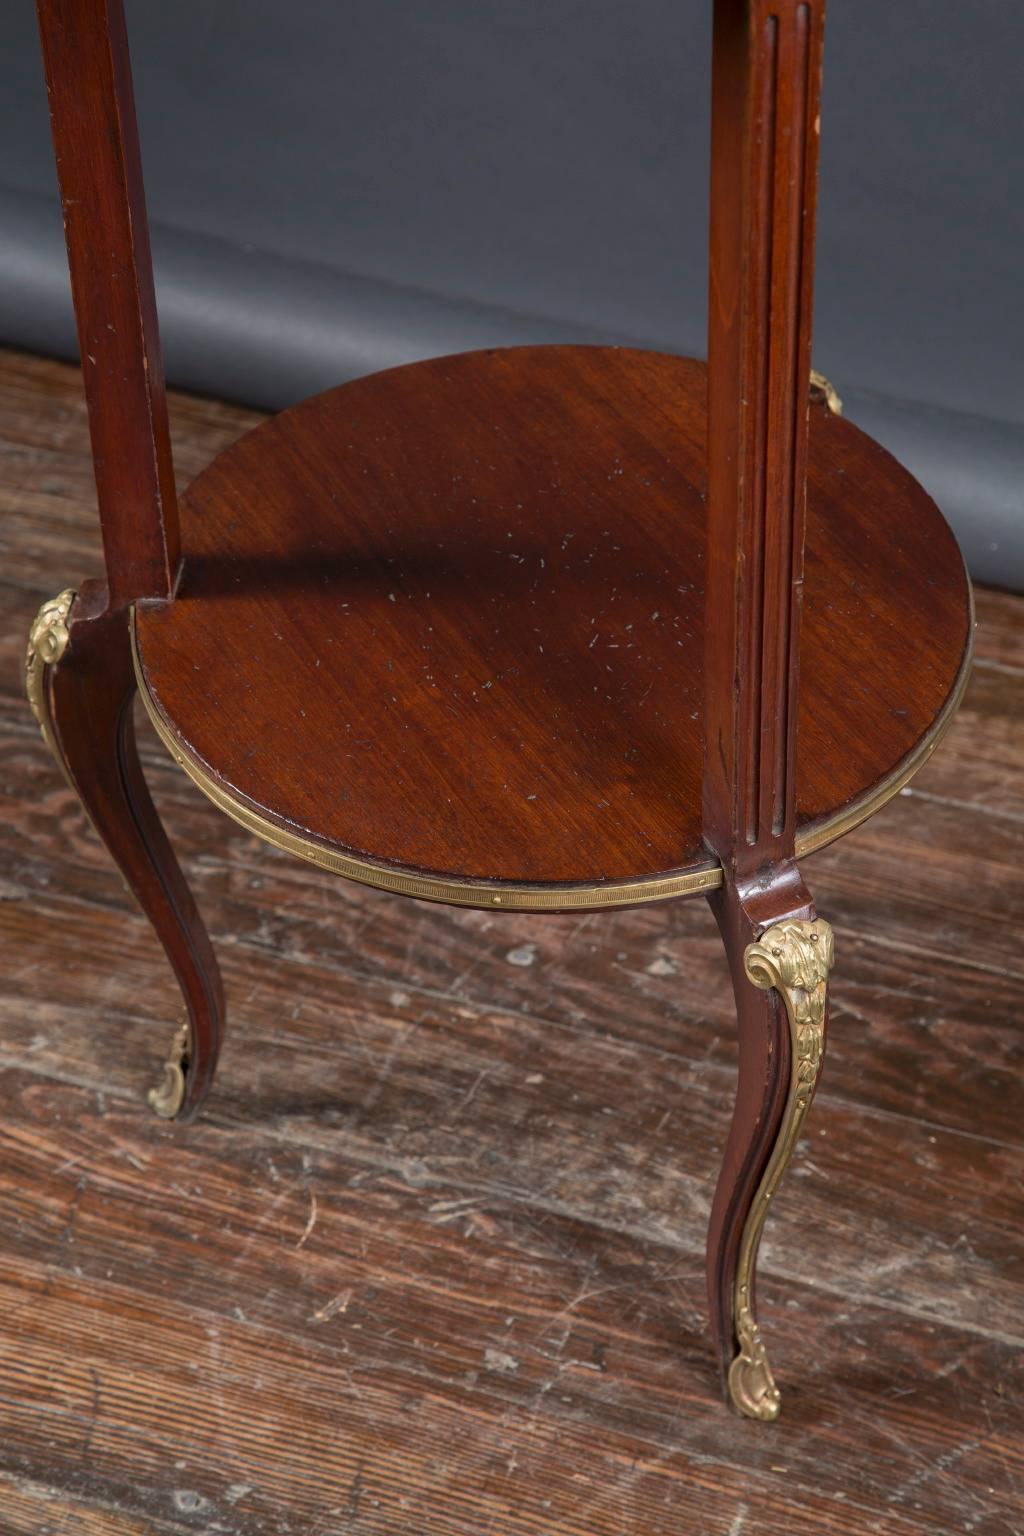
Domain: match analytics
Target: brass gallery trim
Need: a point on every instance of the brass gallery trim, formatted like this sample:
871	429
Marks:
795	957
511	896
820	833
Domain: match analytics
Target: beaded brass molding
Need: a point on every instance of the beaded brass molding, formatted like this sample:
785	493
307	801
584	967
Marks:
47	642
795	957
513	896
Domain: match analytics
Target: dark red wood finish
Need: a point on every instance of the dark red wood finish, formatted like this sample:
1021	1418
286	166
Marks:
95	138
451	617
765	122
766	90
91	689
742	915
90	694
506	1164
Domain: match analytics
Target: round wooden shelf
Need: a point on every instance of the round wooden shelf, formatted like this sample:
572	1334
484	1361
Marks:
441	629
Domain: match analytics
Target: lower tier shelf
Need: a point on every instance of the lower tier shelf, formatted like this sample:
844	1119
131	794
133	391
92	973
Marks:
441	629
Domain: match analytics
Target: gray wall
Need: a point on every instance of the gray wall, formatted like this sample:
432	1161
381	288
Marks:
338	186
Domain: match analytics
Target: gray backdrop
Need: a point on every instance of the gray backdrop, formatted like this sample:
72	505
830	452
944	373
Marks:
339	185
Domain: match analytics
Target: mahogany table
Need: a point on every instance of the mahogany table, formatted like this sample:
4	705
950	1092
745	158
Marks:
538	629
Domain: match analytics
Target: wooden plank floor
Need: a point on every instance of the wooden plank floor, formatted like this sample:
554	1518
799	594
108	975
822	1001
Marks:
431	1263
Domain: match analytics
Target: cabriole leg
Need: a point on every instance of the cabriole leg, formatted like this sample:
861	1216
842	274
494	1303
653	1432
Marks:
780	955
81	686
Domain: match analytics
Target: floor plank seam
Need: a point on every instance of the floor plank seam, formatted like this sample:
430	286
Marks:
417	1177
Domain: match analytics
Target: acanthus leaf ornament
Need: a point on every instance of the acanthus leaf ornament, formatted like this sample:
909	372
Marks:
794	957
47	641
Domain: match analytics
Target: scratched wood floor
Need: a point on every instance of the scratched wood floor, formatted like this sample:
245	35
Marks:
431	1264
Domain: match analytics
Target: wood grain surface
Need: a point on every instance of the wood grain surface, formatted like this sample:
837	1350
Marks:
765	128
433	1259
765	125
450	617
89	704
96	146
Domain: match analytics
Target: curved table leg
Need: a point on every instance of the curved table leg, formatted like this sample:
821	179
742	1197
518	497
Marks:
81	686
780	955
